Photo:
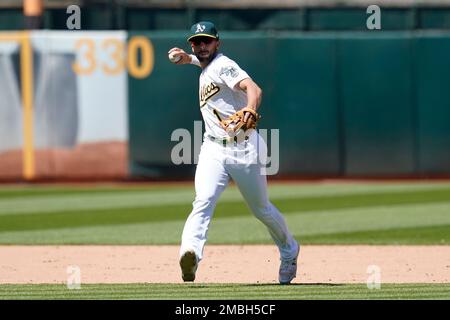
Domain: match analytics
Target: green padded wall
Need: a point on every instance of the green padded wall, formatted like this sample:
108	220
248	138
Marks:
169	92
376	97
345	104
304	105
432	67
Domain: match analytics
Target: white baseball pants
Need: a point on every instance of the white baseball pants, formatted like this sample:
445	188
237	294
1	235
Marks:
243	162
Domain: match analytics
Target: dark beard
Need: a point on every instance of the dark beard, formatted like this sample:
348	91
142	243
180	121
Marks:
207	59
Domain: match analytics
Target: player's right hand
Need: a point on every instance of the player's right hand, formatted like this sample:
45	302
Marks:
185	58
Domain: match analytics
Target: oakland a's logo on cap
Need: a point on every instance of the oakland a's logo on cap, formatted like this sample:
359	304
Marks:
203	28
200	28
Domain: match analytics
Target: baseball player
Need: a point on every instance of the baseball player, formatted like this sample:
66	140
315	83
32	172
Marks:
231	149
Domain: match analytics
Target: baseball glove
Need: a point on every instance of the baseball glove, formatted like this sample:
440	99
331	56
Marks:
238	120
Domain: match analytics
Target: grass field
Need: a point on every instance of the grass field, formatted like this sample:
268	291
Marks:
317	213
400	213
226	292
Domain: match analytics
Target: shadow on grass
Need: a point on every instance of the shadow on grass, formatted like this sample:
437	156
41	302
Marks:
229	285
296	284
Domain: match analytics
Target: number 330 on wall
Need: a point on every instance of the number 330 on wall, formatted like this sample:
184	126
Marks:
114	57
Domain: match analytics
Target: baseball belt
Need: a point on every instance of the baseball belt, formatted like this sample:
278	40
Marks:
228	140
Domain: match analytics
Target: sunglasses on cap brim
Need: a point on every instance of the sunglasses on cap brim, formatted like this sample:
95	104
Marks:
198	40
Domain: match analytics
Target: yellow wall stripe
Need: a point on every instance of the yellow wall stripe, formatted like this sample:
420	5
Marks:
26	61
11	36
26	72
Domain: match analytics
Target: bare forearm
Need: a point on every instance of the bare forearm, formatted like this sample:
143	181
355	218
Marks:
254	95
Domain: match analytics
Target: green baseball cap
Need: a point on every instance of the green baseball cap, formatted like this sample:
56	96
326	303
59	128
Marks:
204	29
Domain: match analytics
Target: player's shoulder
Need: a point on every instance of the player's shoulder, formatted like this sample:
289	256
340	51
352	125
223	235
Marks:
224	64
223	60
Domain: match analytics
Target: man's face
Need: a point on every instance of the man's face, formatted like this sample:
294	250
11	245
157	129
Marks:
204	48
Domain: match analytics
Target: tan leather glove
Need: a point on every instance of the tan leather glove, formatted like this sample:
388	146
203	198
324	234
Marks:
240	120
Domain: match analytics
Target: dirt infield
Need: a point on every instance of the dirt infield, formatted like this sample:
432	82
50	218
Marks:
223	264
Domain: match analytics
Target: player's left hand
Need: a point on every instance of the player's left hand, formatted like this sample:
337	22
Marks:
246	118
251	117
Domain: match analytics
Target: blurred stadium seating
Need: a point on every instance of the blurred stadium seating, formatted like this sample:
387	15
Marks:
235	14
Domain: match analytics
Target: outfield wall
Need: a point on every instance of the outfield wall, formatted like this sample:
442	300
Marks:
75	124
346	104
105	104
